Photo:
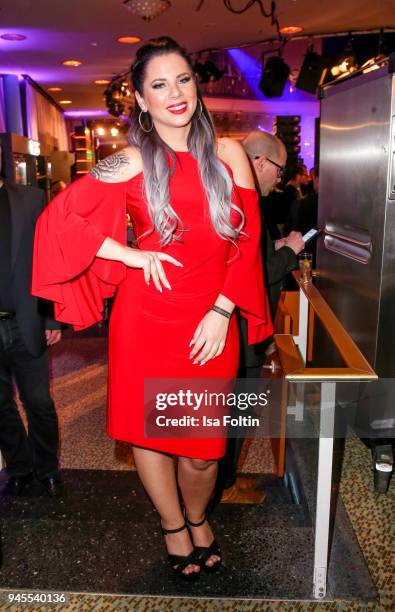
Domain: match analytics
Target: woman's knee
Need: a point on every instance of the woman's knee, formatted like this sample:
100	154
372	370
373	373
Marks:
201	465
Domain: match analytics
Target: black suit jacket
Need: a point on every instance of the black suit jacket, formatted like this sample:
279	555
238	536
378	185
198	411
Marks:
276	265
32	314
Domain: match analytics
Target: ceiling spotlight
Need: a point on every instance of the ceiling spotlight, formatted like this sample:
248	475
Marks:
291	30
54	89
275	73
114	131
343	69
66	102
101	82
385	46
128	40
312	72
100	131
71	63
372	64
346	63
147	9
13	37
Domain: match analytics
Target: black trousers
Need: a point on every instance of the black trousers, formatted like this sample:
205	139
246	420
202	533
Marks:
36	450
227	466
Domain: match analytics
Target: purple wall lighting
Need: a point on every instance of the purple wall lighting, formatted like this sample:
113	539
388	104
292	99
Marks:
87	113
291	102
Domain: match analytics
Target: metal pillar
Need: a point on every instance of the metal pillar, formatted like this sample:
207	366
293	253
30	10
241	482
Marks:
324	482
301	338
12	103
301	341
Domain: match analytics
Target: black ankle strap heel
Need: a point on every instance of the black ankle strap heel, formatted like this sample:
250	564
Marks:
203	553
166	531
180	562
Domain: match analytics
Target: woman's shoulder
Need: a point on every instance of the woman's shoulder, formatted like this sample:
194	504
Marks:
232	153
227	148
118	167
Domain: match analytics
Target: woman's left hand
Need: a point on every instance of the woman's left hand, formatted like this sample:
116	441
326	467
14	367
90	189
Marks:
209	338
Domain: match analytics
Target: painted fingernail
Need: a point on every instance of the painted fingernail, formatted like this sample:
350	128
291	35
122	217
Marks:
196	361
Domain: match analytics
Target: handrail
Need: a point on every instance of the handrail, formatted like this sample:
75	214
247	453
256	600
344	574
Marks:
357	367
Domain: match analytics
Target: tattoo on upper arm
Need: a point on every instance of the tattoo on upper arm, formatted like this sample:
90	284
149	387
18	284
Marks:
110	168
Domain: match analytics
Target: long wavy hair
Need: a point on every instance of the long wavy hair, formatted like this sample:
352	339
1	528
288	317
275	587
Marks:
201	144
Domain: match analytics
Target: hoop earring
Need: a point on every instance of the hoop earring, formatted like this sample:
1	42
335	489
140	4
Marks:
141	124
201	109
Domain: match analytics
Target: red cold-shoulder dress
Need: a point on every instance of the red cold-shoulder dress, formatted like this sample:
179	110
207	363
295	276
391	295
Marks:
150	331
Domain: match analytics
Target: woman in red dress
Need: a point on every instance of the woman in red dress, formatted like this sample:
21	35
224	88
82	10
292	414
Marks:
194	211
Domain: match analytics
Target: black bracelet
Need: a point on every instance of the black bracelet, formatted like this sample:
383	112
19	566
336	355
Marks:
221	311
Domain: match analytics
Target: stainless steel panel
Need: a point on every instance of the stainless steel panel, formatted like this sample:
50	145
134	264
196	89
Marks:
385	358
348	241
356	235
354	168
347	249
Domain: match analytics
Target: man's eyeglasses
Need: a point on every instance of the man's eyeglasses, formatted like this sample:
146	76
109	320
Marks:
280	169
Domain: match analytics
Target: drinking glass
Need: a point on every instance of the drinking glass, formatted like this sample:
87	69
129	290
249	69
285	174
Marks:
305	266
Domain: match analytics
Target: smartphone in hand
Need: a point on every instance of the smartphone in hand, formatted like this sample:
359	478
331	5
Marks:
311	234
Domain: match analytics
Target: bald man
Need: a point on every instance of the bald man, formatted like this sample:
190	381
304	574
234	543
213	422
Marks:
268	156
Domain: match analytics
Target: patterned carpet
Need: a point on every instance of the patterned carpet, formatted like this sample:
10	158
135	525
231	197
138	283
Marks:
79	389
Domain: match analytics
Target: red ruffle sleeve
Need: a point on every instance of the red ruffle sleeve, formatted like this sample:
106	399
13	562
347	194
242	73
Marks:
244	281
68	235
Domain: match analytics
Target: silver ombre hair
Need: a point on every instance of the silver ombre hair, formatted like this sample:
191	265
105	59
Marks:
201	143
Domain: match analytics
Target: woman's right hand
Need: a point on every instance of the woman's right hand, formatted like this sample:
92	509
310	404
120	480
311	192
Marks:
151	264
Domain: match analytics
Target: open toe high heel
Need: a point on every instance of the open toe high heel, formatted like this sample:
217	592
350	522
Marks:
180	562
203	553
